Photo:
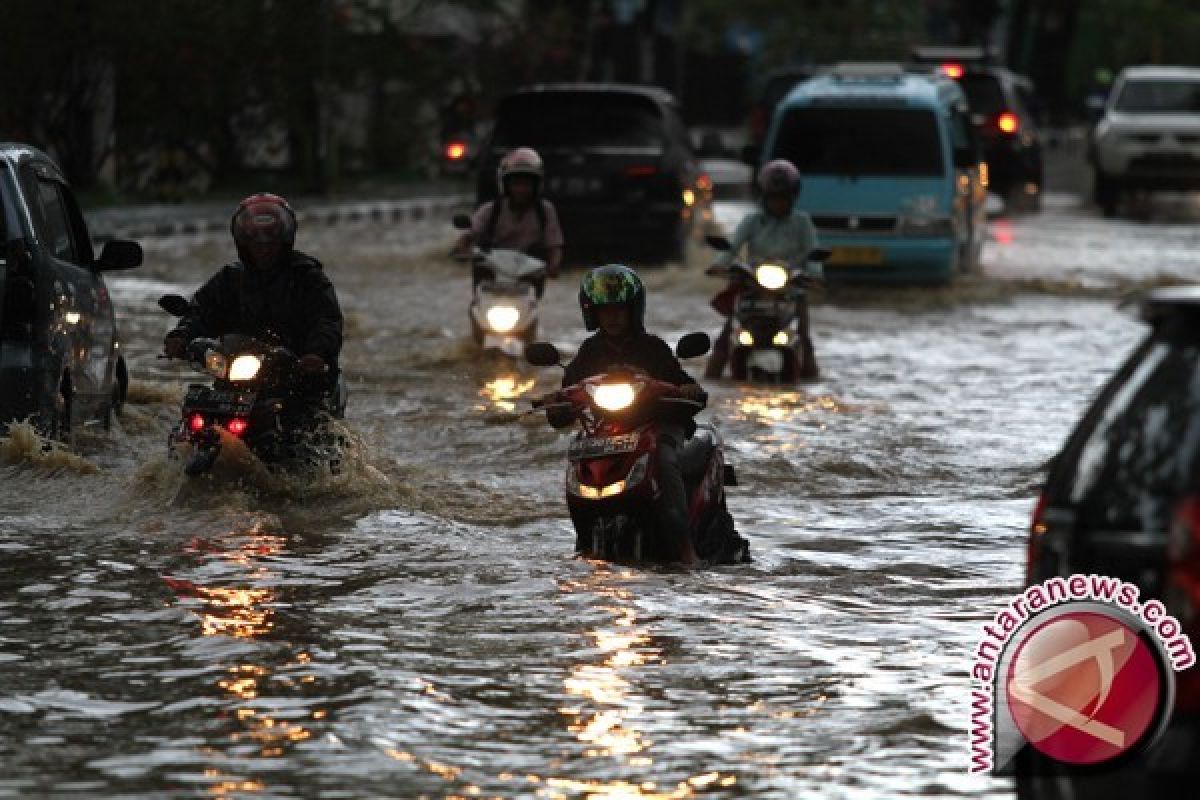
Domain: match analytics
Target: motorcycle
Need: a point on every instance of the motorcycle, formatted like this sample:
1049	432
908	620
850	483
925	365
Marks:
259	396
504	303
765	344
612	470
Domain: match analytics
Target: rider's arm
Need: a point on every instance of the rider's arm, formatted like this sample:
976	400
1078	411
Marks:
552	239
320	305
208	303
741	236
814	269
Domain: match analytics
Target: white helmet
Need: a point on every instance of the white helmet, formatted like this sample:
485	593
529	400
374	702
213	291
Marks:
522	161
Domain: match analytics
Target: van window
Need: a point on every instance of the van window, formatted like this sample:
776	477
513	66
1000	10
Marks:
55	227
984	93
578	119
1128	469
861	141
1161	97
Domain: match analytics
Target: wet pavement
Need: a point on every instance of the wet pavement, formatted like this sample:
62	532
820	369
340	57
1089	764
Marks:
418	625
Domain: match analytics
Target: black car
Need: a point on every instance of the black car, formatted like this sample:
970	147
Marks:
1004	109
59	352
1122	499
619	164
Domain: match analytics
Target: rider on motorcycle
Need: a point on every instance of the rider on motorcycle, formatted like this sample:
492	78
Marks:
613	299
519	218
272	292
777	231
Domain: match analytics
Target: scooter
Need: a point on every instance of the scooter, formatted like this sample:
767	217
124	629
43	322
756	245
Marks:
258	395
504	302
765	345
612	469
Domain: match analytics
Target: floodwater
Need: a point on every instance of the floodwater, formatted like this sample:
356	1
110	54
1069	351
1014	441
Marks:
418	625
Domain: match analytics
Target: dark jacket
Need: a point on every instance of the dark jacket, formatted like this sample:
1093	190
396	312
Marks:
294	305
647	352
599	353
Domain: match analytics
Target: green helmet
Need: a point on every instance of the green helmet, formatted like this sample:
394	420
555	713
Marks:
610	285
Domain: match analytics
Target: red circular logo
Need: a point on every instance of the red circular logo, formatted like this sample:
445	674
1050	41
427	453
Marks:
1084	687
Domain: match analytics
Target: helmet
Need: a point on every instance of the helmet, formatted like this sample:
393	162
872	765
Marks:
610	285
522	161
264	230
779	177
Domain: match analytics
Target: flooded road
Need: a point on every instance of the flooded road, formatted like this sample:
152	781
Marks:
418	626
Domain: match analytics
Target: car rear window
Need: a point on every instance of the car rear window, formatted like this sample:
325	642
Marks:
585	119
984	94
861	141
1138	449
1159	97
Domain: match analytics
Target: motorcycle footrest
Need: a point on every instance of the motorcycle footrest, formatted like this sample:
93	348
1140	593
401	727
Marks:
729	476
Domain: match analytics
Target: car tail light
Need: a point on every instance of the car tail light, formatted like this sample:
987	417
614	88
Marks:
641	170
456	151
196	423
1182	595
1037	529
704	183
237	426
953	70
1007	122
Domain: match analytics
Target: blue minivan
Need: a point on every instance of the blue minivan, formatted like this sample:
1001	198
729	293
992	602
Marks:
893	177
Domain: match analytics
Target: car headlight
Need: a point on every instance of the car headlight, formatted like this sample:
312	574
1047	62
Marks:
503	319
781	339
771	276
244	368
216	364
746	339
614	396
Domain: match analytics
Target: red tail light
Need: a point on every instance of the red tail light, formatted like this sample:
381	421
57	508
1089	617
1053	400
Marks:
1182	593
704	183
1008	122
456	151
237	426
196	423
641	170
953	70
1037	529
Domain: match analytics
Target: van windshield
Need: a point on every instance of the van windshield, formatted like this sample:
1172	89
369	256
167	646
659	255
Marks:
1159	97
548	120
861	141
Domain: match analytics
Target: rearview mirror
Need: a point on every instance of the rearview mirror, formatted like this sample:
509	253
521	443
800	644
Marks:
174	304
717	242
693	345
119	254
542	354
462	222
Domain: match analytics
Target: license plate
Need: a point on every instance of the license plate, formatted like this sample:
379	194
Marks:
219	401
767	360
597	446
856	256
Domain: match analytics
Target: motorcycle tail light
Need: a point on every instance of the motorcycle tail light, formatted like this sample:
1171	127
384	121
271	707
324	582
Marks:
237	426
1008	122
196	423
456	151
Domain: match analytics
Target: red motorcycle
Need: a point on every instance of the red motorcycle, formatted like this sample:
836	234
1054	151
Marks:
612	471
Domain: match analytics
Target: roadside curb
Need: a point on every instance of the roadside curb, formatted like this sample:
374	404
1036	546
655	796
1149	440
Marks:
110	224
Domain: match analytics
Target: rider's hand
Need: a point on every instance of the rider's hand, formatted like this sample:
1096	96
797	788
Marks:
693	392
175	345
313	364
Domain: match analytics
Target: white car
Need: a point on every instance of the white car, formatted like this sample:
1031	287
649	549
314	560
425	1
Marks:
1149	136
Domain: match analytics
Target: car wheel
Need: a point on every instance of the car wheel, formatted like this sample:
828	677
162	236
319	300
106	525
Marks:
1106	193
59	425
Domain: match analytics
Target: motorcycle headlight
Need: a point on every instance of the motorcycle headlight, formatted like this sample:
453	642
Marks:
614	396
781	339
771	276
503	319
244	368
216	364
746	339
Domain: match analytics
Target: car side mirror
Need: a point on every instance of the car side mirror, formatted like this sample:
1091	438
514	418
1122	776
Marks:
174	304
693	345
462	222
751	154
119	254
718	242
542	354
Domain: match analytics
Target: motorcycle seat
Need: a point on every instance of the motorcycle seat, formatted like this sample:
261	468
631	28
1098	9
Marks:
694	455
